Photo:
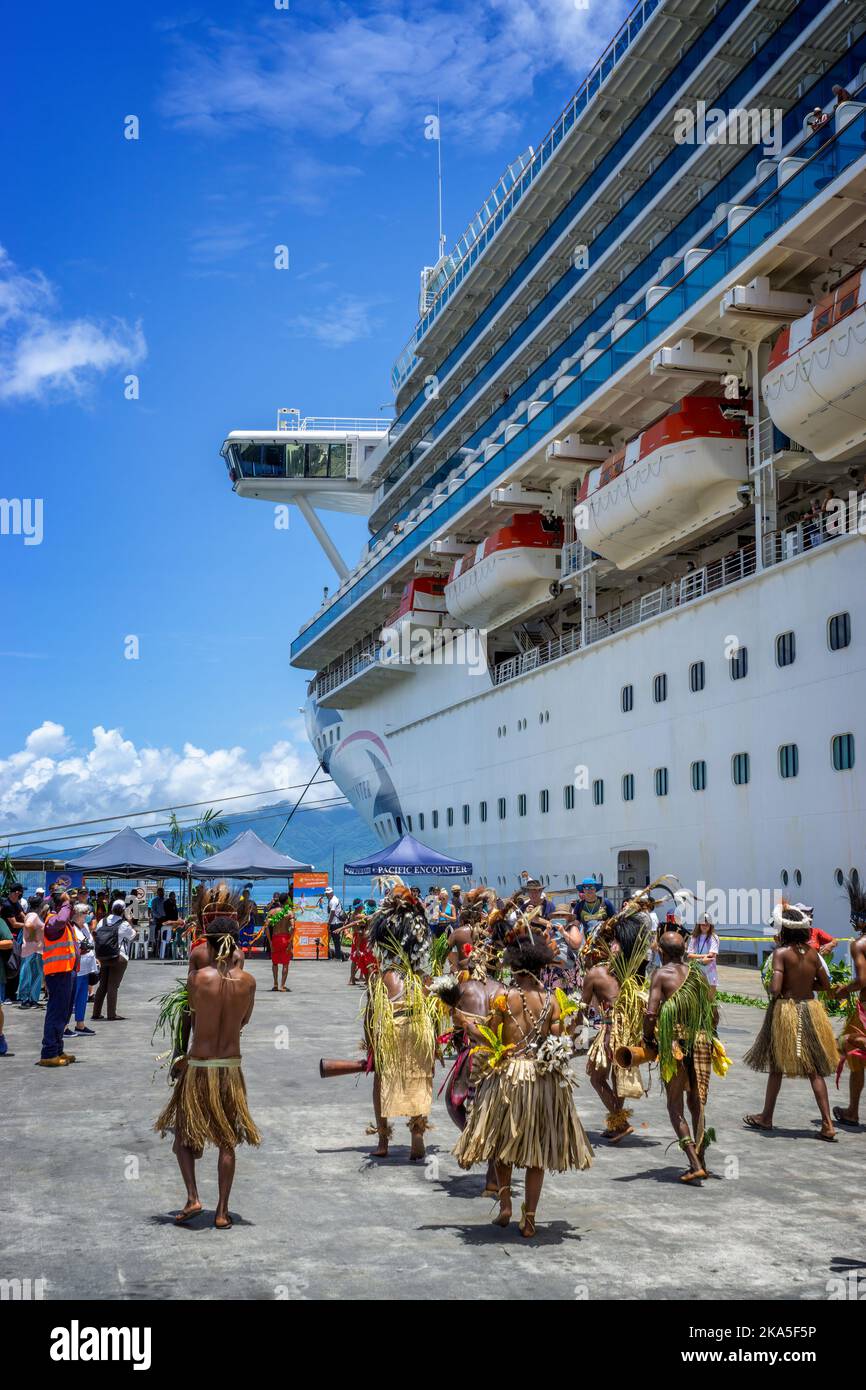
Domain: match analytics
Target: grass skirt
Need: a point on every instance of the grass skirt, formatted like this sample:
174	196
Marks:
525	1117
407	1079
208	1105
796	1039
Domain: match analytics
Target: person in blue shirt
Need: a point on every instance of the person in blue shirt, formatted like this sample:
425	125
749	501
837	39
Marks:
591	909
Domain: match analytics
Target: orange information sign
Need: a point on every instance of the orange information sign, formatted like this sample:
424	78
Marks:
310	941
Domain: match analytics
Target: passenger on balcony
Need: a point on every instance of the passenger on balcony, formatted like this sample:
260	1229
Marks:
840	94
816	119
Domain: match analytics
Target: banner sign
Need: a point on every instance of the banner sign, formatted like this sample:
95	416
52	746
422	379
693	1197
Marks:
311	916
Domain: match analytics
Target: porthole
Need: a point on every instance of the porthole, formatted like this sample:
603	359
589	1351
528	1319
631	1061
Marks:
839	877
839	631
798	878
785	878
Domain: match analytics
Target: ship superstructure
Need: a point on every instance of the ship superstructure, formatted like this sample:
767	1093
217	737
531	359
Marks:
610	615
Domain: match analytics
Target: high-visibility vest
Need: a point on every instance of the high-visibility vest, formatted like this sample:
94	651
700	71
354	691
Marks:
58	957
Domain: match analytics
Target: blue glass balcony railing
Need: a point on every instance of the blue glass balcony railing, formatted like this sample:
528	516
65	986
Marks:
774	48
836	154
671	244
504	198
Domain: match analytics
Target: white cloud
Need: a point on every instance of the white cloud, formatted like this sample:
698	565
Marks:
373	76
339	323
50	781
44	356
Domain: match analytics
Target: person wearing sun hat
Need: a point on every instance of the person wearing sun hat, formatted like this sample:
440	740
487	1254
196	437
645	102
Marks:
796	1038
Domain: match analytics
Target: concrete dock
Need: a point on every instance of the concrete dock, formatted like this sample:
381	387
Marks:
91	1189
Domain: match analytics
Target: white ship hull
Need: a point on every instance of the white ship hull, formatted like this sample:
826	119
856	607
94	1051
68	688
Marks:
436	741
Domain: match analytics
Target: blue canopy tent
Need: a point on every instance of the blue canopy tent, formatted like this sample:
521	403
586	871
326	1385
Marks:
247	857
129	855
406	856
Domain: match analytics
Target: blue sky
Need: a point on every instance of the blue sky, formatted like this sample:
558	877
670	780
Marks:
258	127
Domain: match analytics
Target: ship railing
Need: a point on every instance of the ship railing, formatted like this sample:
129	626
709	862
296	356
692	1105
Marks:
576	558
347	668
836	517
772	444
504	198
360	424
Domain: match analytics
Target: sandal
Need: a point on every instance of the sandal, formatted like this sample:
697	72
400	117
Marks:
526	1225
752	1122
841	1118
694	1175
828	1138
185	1214
500	1219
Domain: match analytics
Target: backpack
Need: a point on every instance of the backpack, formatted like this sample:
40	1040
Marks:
106	939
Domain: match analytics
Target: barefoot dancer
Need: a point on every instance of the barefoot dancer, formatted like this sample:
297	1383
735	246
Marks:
280	926
852	1041
616	986
796	1038
209	1100
680	1021
524	1114
400	1020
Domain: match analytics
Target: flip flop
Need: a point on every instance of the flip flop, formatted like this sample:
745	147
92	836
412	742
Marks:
184	1216
828	1138
841	1118
751	1122
694	1175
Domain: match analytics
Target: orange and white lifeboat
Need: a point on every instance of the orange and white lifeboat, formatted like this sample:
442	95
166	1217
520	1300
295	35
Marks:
815	387
422	605
508	573
677	477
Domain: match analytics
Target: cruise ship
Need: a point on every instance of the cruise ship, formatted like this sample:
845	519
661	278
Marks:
610	615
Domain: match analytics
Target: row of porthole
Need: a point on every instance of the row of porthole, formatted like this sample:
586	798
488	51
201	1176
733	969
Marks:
838	637
842	759
543	718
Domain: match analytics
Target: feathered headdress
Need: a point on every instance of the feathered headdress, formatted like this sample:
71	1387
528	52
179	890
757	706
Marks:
221	913
857	899
399	932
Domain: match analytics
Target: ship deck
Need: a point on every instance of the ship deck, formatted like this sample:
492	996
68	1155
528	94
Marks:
315	1218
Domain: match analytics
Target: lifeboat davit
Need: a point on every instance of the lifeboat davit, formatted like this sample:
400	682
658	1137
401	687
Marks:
815	388
677	477
508	573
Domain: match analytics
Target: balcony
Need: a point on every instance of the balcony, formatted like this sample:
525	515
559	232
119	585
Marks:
778	546
652	217
838	164
353	679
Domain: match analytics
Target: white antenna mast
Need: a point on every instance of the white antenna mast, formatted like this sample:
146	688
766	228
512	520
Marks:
439	180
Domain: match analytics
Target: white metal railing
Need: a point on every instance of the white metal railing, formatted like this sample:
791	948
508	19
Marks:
846	516
375	424
343	670
291	421
771	443
576	558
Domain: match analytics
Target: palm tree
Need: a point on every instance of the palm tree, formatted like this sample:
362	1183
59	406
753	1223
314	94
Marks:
198	839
